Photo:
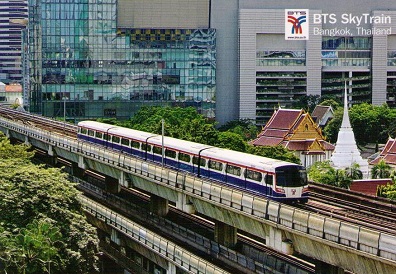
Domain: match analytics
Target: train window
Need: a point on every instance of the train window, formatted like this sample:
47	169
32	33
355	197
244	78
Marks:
115	139
125	142
83	131
99	135
170	153
157	150
215	165
269	179
234	170
146	147
135	144
106	137
202	162
253	175
184	157
91	132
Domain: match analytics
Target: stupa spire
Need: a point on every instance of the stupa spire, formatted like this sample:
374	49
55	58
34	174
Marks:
346	151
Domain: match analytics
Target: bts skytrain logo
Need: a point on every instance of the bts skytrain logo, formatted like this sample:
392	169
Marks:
296	24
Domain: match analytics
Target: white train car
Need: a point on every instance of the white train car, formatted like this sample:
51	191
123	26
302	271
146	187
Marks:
275	179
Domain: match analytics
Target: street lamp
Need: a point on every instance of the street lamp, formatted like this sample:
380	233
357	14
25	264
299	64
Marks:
64	108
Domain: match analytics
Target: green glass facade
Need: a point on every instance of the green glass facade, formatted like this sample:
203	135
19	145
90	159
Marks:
81	61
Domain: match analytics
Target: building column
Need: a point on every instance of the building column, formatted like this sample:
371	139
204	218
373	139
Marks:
158	205
225	234
325	268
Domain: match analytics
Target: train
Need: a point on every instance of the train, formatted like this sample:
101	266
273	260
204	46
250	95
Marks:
275	179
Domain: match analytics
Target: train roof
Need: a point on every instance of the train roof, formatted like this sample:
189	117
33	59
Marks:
95	125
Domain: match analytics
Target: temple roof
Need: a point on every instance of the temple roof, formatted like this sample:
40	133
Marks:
293	129
388	154
321	114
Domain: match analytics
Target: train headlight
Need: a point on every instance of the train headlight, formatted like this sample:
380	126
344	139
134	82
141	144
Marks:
279	190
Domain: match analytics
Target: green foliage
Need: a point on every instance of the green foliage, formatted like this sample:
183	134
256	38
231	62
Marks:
388	191
371	124
275	152
335	104
8	151
323	172
34	249
307	102
231	140
333	126
41	217
244	127
181	123
354	172
381	170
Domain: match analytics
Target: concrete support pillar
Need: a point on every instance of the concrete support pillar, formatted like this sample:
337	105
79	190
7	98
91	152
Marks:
81	163
27	141
225	234
183	203
158	205
325	268
112	185
277	240
172	269
122	180
114	237
52	158
77	171
7	133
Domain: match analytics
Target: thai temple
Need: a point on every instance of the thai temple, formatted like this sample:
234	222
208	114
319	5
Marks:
346	151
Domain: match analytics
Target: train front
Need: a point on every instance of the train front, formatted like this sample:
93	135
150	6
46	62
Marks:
291	183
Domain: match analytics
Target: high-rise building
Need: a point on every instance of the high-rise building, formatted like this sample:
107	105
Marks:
13	15
107	58
228	58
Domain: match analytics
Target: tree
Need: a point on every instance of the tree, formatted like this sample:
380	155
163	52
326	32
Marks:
181	123
381	170
330	102
323	172
231	140
244	127
371	124
41	218
34	249
276	152
354	172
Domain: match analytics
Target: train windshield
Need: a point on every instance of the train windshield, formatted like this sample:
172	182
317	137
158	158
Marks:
291	176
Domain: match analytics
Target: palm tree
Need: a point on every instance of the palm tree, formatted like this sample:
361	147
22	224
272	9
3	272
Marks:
342	179
354	172
381	170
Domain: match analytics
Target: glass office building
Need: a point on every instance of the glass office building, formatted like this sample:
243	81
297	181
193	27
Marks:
83	64
13	16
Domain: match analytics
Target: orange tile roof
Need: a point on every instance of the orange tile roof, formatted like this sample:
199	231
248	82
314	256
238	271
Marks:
388	154
280	130
283	118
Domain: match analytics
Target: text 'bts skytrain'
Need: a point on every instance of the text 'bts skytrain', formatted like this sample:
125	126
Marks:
275	179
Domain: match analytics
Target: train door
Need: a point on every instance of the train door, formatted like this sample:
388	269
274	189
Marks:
269	182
